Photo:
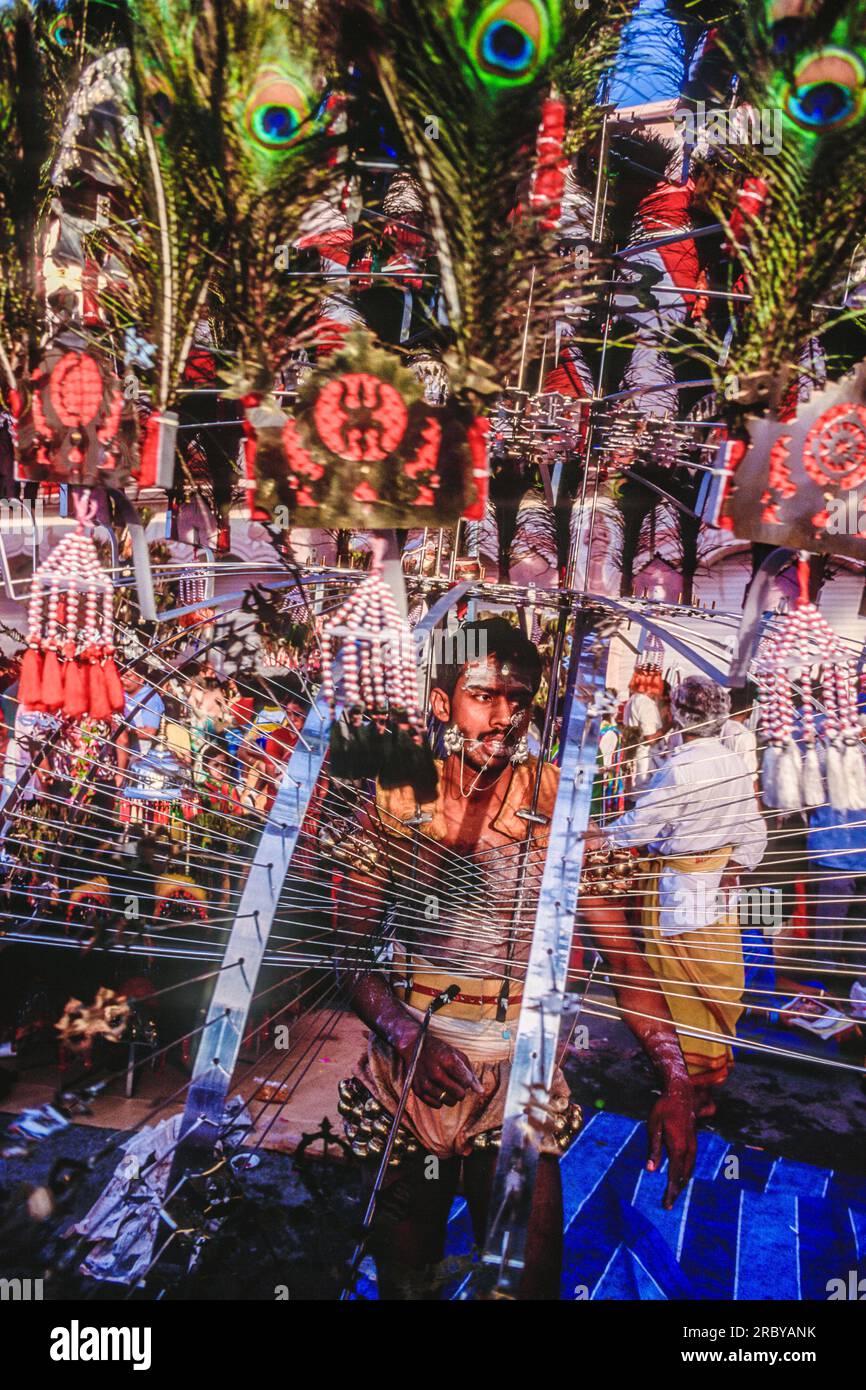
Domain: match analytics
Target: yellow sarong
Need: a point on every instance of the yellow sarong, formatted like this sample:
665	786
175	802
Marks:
701	972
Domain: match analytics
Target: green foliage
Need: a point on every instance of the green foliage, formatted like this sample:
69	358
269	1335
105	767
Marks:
470	129
797	252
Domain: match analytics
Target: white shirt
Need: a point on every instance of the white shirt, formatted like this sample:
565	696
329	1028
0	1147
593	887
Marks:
735	736
701	799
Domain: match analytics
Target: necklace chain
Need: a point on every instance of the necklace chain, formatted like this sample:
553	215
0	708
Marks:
475	786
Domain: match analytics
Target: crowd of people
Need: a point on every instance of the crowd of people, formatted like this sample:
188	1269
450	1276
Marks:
133	835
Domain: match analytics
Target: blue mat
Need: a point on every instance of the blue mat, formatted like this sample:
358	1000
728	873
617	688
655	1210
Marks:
758	1228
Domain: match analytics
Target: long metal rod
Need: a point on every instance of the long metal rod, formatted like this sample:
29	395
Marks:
544	997
229	1008
447	996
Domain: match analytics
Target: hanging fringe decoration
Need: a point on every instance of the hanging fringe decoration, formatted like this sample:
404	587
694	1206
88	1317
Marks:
192	588
379	681
69	666
647	678
548	183
793	779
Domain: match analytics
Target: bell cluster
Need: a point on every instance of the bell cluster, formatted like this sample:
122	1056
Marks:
608	871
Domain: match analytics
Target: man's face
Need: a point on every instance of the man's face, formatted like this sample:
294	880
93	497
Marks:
491	706
132	682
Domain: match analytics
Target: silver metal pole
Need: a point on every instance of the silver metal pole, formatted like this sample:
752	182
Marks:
229	1008
544	992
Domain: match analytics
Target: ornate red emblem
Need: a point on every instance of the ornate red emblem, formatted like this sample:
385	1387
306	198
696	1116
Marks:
800	483
835	448
365	448
75	424
360	418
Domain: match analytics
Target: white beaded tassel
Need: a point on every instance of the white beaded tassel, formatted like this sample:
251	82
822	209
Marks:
814	793
780	783
789	780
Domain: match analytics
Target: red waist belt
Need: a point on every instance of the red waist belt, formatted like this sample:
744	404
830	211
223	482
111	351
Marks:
468	998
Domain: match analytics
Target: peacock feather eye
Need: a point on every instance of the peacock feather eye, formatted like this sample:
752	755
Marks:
277	111
828	92
510	40
61	31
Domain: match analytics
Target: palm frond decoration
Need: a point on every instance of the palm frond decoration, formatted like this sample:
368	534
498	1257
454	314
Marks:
270	70
25	139
466	82
807	72
231	149
169	223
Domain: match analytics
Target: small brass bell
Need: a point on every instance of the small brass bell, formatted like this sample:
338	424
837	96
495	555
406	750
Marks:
359	1149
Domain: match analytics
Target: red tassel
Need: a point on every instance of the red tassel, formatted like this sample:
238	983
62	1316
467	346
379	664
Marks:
99	706
74	690
30	680
114	689
52	681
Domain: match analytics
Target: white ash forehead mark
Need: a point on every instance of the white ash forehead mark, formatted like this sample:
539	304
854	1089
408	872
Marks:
484	675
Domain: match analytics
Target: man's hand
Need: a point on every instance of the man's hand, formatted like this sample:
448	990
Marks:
443	1075
672	1126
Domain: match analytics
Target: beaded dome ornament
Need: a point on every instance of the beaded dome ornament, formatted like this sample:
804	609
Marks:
791	778
68	667
647	678
192	588
378	651
379	679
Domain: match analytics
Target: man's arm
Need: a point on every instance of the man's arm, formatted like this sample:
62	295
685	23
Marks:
750	835
121	746
659	804
645	1010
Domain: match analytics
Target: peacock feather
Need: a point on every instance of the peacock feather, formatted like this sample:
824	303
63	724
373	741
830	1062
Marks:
25	139
804	67
466	81
270	69
232	148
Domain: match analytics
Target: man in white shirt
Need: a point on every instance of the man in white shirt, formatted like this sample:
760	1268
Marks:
701	824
